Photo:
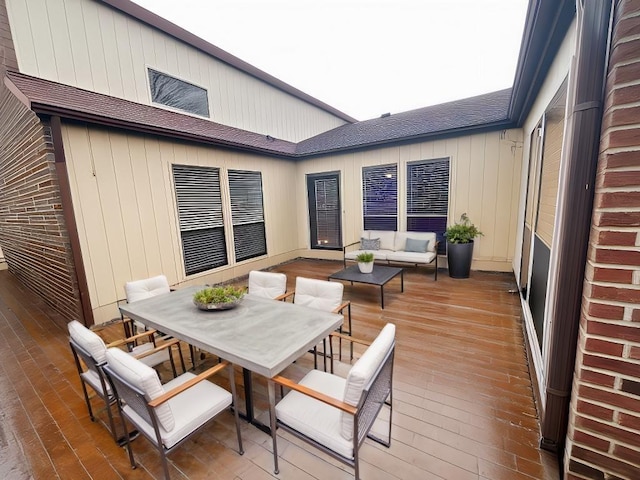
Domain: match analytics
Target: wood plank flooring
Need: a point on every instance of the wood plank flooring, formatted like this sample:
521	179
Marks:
463	405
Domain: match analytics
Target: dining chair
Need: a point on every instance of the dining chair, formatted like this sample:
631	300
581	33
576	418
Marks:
267	284
167	415
89	349
142	289
326	296
336	414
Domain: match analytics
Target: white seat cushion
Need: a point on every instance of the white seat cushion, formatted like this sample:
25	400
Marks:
93	379
318	294
88	340
192	408
267	284
411	257
313	418
153	359
362	372
146	288
379	255
144	378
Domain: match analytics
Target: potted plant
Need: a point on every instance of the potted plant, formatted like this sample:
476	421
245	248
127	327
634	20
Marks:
365	262
460	246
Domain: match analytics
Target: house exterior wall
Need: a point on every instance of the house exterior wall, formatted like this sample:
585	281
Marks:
603	438
124	204
33	233
484	183
90	45
558	73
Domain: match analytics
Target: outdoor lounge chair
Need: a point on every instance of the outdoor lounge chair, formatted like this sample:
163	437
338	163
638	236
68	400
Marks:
336	414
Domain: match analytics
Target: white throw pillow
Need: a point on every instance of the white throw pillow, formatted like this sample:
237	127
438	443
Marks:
145	378
362	372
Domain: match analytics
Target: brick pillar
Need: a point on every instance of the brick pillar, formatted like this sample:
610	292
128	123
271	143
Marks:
603	440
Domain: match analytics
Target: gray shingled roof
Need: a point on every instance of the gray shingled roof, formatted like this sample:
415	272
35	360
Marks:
459	117
54	98
483	111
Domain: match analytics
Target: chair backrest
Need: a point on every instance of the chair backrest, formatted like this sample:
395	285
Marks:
146	288
89	341
318	294
267	284
363	374
136	384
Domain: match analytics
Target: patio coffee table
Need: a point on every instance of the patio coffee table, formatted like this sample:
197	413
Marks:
379	276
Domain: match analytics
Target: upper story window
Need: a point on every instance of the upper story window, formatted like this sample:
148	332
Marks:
175	93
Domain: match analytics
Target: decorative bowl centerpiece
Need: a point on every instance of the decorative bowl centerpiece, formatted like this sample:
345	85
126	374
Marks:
218	298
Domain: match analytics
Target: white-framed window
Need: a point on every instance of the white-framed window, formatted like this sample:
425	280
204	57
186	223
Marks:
247	214
176	93
200	217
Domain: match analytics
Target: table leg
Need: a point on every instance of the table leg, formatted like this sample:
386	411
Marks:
402	281
271	387
382	297
249	416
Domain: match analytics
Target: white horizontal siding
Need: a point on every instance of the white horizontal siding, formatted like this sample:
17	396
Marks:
90	45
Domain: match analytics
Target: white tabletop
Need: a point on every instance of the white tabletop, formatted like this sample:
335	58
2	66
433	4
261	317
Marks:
261	335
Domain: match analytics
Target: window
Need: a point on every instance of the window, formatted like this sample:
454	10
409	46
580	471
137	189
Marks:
172	92
247	214
380	197
323	191
200	217
428	197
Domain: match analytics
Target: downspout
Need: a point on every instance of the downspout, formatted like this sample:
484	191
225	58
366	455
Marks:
70	221
574	213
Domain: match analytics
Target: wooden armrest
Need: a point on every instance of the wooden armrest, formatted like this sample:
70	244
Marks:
334	402
117	343
349	338
341	307
158	348
284	296
188	384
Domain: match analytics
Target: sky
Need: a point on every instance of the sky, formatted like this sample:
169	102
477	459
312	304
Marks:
366	57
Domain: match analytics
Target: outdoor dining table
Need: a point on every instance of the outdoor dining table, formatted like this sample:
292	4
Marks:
261	335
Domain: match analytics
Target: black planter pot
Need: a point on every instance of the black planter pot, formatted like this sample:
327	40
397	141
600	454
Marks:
459	259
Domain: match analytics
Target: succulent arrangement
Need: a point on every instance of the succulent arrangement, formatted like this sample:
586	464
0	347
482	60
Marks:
218	295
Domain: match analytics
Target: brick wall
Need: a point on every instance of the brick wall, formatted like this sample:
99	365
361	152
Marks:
33	235
603	439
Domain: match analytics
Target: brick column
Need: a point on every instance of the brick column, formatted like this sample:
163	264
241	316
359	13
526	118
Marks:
603	440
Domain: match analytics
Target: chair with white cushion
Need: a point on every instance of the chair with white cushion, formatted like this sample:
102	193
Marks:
137	290
336	414
167	415
267	284
322	295
87	346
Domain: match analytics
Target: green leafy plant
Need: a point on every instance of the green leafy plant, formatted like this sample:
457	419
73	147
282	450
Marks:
218	295
463	231
365	257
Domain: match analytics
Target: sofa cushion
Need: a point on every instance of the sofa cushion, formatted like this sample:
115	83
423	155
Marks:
416	245
369	244
411	257
387	238
379	255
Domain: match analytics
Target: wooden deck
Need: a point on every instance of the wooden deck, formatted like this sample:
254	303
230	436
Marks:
463	405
